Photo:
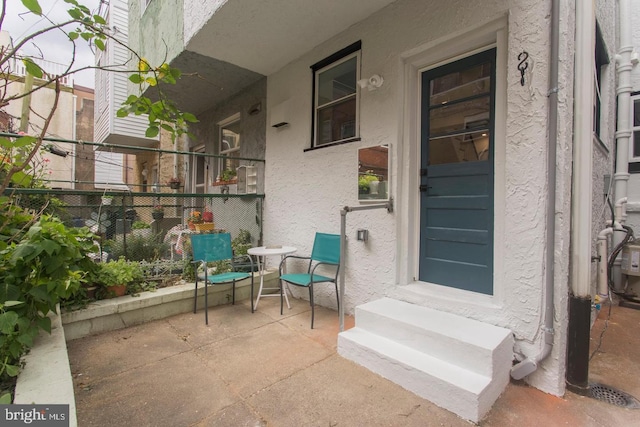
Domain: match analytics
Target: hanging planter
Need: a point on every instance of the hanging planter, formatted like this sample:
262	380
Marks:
174	183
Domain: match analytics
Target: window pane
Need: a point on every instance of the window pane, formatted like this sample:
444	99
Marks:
463	84
636	112
337	122
230	137
200	170
636	143
472	147
337	82
461	116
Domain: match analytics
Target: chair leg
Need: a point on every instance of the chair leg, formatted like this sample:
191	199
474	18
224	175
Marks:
337	295
281	287
206	303
233	293
312	304
195	296
251	292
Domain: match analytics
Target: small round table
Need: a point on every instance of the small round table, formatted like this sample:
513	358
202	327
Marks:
261	253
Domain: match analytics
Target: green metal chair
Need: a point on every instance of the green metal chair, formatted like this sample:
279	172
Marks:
326	253
211	248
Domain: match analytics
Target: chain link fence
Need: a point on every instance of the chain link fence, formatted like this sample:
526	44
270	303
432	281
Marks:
148	227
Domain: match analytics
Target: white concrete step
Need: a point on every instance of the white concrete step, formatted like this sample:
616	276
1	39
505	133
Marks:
458	340
459	364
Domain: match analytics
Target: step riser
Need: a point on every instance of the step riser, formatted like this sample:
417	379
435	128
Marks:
461	402
432	342
457	363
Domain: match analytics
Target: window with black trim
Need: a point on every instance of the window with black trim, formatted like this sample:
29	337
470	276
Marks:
335	97
601	60
634	144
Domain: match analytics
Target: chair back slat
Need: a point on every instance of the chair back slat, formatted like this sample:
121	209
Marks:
211	247
326	248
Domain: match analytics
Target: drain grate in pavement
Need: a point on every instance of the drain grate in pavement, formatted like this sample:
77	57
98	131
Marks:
613	396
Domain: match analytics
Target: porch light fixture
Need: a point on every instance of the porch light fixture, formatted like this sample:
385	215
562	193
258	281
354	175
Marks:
372	83
362	235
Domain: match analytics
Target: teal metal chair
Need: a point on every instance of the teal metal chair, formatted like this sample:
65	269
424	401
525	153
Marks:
211	248
326	253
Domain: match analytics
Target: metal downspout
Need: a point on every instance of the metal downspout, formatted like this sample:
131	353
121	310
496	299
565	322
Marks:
530	364
579	328
624	65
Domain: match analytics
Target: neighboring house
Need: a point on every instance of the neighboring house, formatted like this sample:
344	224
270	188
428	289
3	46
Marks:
62	163
496	170
84	154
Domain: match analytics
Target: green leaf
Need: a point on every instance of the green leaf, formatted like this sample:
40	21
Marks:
33	68
8	321
99	19
4	142
12	303
5	399
167	127
189	117
75	13
151	81
33	6
99	44
23	141
122	112
50	246
45	323
135	78
12	371
87	36
73	35
22	179
152	132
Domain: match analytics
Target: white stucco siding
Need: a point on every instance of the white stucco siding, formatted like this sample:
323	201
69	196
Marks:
326	178
305	190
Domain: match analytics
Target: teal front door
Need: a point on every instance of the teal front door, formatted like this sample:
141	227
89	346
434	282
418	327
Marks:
456	175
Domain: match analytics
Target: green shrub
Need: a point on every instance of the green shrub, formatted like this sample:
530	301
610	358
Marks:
138	248
40	265
140	225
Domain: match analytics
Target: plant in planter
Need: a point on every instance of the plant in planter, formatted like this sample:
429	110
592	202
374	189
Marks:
174	183
107	200
118	275
158	212
194	218
140	228
228	175
365	182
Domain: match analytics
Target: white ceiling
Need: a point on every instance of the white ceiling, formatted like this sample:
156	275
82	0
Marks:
264	35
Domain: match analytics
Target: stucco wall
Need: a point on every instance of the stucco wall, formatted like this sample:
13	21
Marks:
325	178
166	19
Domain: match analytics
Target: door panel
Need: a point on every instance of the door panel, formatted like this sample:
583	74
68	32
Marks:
456	185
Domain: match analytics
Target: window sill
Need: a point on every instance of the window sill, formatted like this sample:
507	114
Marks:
332	144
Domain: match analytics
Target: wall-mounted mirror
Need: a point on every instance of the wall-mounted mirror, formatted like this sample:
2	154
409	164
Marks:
373	173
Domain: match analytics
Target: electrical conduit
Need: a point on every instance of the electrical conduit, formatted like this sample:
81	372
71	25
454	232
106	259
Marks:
531	363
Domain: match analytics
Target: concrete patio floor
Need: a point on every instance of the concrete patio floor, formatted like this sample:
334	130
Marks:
264	369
